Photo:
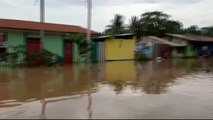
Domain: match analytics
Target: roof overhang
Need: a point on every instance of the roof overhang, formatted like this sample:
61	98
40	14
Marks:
37	26
117	36
193	38
157	40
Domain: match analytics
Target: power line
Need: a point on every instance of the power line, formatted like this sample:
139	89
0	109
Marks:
35	3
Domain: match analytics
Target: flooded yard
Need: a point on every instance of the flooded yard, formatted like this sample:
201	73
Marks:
154	89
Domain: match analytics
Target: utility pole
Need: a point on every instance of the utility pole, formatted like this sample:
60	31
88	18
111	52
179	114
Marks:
89	20
42	20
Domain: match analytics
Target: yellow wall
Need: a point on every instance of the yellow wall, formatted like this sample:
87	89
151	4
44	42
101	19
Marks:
120	49
124	71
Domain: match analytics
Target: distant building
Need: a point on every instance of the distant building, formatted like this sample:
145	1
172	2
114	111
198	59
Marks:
114	47
175	46
153	47
26	33
196	45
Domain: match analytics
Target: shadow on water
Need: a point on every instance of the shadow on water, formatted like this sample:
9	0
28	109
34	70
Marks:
51	85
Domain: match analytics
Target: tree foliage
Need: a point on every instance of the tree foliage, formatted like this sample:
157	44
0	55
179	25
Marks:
158	23
18	56
81	41
193	29
207	31
153	23
117	25
135	26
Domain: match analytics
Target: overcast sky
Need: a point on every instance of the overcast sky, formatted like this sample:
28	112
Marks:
189	12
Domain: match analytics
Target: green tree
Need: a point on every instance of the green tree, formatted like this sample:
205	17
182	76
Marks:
173	26
194	29
81	41
150	23
207	31
135	26
157	23
117	25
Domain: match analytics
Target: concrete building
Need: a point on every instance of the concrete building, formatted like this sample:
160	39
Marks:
27	33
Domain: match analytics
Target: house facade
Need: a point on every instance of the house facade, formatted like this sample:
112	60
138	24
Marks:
153	47
196	45
114	47
175	46
26	33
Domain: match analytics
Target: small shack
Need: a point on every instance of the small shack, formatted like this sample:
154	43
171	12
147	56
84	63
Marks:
114	47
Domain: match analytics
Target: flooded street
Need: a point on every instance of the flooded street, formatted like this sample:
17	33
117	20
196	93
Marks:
166	89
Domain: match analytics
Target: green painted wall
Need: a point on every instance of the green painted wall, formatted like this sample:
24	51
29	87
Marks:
33	35
15	39
190	52
54	44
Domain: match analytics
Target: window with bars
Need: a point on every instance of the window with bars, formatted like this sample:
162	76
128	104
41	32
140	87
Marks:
3	39
3	42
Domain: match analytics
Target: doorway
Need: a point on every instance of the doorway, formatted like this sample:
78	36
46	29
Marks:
33	45
68	46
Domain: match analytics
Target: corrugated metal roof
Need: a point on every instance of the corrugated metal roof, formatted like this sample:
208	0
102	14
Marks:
117	35
36	26
179	36
110	36
192	37
201	38
158	40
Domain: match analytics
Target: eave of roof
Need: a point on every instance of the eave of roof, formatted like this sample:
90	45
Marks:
111	36
163	41
37	26
194	38
180	36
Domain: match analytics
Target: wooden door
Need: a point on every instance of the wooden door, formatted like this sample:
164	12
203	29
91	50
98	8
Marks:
33	45
68	52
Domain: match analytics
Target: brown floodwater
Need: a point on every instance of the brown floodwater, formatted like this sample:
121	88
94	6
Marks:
154	89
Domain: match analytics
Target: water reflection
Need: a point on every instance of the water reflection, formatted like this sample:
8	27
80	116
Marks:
150	77
48	86
120	74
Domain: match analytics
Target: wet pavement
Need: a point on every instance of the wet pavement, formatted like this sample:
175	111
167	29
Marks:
160	89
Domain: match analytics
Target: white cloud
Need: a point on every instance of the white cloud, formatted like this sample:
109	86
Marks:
74	11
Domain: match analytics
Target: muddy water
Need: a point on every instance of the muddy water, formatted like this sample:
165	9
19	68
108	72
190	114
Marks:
160	89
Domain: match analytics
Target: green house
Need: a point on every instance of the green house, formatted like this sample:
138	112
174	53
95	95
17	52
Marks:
195	45
56	38
187	50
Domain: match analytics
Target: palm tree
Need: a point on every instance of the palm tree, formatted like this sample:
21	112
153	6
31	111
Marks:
134	23
117	25
135	26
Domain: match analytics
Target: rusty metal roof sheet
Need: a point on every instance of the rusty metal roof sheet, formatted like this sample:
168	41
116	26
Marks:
36	26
